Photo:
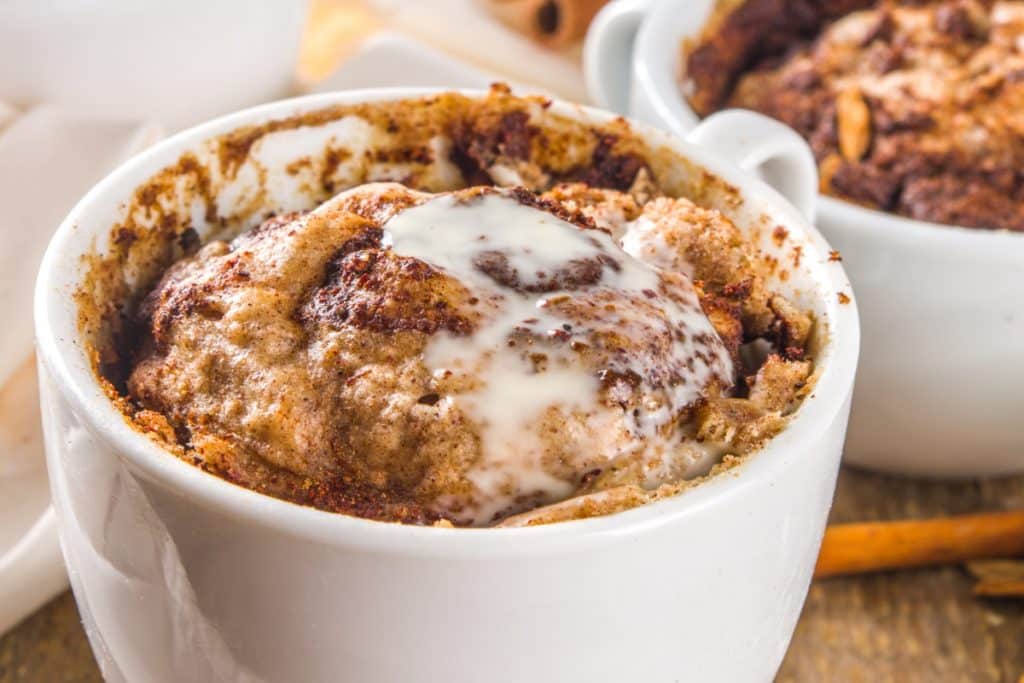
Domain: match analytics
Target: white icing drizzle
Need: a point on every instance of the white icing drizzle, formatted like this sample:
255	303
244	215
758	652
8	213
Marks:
642	239
511	394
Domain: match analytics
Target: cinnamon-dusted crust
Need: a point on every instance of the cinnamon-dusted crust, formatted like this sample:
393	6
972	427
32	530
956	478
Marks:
910	107
289	358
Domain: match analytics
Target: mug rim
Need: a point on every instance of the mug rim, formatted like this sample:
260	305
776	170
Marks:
657	78
63	358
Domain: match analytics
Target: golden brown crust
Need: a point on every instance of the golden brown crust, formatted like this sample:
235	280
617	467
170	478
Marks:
327	292
290	359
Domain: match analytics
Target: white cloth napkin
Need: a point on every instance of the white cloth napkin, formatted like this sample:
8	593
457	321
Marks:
49	158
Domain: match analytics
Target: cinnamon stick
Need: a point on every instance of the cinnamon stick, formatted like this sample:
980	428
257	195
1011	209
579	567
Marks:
880	546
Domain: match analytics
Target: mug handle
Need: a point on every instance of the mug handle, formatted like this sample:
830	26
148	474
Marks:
767	148
608	53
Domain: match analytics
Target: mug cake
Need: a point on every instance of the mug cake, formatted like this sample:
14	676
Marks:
910	107
223	515
473	321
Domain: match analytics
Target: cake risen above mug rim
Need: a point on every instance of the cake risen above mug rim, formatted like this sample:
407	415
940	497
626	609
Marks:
556	149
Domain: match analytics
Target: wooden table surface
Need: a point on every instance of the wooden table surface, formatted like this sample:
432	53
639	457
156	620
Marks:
921	625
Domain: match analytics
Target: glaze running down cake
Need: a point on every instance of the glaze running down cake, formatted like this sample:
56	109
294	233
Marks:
466	355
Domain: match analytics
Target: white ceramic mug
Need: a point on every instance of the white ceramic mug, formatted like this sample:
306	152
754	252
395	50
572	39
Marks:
938	390
181	575
177	63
